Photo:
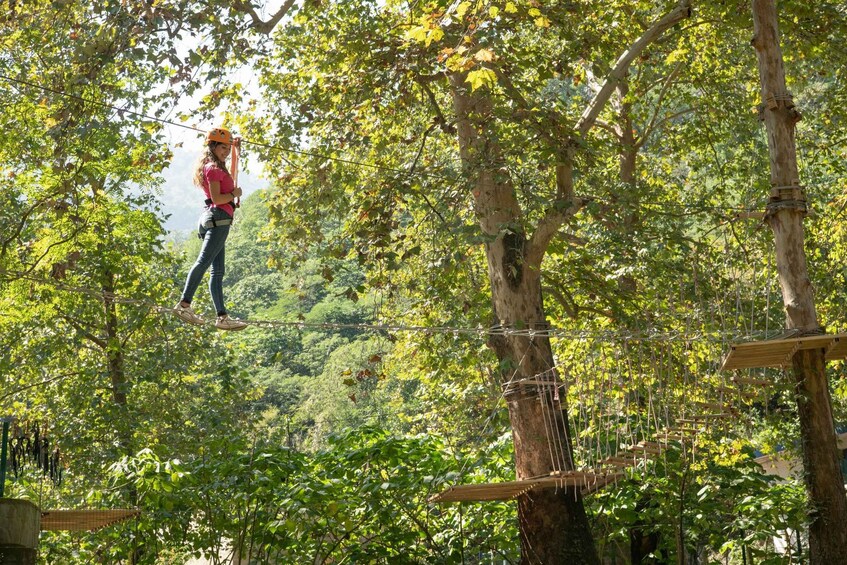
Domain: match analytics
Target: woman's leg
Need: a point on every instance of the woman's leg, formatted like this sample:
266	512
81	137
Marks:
213	244
216	278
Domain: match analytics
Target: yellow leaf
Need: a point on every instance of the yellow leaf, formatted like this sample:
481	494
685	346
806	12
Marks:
534	12
445	53
418	33
542	22
462	8
481	77
434	35
511	8
484	55
493	11
455	62
676	55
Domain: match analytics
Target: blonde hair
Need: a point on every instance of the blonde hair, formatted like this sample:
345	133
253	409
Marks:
208	156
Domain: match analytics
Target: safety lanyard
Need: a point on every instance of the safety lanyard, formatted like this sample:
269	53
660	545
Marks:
233	172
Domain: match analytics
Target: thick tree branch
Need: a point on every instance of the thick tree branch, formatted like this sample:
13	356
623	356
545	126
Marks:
439	115
542	128
99	342
547	228
258	24
40	383
613	129
564	207
589	116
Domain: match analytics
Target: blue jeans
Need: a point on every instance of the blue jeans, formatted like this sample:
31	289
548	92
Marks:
212	254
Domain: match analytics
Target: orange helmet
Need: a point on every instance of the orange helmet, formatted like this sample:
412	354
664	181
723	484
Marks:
220	135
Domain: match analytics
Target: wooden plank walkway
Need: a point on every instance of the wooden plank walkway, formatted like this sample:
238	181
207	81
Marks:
778	352
84	520
481	492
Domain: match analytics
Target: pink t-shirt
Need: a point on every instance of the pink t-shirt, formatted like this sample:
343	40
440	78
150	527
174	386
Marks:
212	173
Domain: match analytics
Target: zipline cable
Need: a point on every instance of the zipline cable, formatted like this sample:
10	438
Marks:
122	111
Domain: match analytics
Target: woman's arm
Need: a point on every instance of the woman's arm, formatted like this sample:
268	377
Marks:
217	197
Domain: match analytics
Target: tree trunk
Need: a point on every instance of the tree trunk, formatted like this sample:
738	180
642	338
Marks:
114	348
821	458
553	526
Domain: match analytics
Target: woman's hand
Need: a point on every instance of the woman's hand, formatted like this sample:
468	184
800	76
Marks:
236	191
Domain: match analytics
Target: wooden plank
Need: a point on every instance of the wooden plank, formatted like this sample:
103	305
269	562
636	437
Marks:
653	444
778	352
651	447
576	473
752	382
621	461
84	520
686	431
838	350
484	492
710	405
673	437
610	478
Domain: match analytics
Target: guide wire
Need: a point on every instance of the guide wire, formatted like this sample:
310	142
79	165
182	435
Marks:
480	330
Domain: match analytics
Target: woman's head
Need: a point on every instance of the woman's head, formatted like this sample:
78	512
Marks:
218	143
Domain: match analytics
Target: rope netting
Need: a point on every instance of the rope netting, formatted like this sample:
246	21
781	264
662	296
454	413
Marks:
32	455
630	405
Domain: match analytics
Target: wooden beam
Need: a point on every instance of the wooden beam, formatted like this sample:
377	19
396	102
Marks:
778	352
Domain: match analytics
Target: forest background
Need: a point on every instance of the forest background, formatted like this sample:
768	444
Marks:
375	379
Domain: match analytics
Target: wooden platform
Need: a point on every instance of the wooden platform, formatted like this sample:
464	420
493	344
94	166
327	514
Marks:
588	483
84	520
778	352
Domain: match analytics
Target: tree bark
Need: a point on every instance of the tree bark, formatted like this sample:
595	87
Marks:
114	348
821	458
553	526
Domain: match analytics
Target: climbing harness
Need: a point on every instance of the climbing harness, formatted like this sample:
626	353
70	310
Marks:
207	219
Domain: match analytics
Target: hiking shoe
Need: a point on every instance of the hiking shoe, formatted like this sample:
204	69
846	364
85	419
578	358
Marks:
226	323
186	314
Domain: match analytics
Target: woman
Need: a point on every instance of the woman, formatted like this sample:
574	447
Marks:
212	176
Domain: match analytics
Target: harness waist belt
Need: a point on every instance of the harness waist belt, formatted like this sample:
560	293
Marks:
209	202
215	223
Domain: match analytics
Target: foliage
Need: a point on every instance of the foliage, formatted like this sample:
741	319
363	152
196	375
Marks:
371	220
363	498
